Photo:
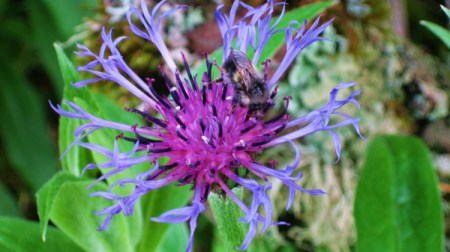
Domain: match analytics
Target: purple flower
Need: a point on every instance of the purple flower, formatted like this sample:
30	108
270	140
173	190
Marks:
203	129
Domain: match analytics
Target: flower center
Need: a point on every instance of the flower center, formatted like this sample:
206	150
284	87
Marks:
205	129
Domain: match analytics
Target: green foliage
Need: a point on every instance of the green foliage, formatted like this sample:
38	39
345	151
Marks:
75	159
72	213
23	129
442	33
153	205
49	22
397	206
21	235
46	196
227	213
27	63
175	239
446	11
9	206
143	234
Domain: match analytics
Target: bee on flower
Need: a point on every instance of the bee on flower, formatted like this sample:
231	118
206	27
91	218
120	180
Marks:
209	127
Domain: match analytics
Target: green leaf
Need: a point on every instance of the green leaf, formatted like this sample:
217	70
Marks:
397	205
52	21
112	111
175	239
24	130
306	12
22	235
43	32
442	33
73	213
100	106
154	204
65	20
103	107
226	213
69	72
446	11
77	157
9	205
46	197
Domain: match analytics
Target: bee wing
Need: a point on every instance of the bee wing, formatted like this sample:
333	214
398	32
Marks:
244	67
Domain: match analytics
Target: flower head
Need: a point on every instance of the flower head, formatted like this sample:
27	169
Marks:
207	128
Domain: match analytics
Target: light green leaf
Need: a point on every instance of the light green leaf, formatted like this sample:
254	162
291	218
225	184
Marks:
446	11
112	111
176	238
156	203
397	205
46	196
77	157
227	213
442	33
73	213
9	205
69	73
103	107
22	235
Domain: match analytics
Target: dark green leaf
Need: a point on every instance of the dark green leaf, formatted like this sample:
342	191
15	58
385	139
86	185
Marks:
9	205
24	129
397	206
51	21
22	235
227	213
156	203
43	33
65	20
46	196
73	213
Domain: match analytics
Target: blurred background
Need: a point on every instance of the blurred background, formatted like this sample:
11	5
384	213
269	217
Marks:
402	67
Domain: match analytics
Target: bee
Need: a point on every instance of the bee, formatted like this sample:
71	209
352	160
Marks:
249	89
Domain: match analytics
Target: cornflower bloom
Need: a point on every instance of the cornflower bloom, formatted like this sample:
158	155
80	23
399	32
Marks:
203	130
